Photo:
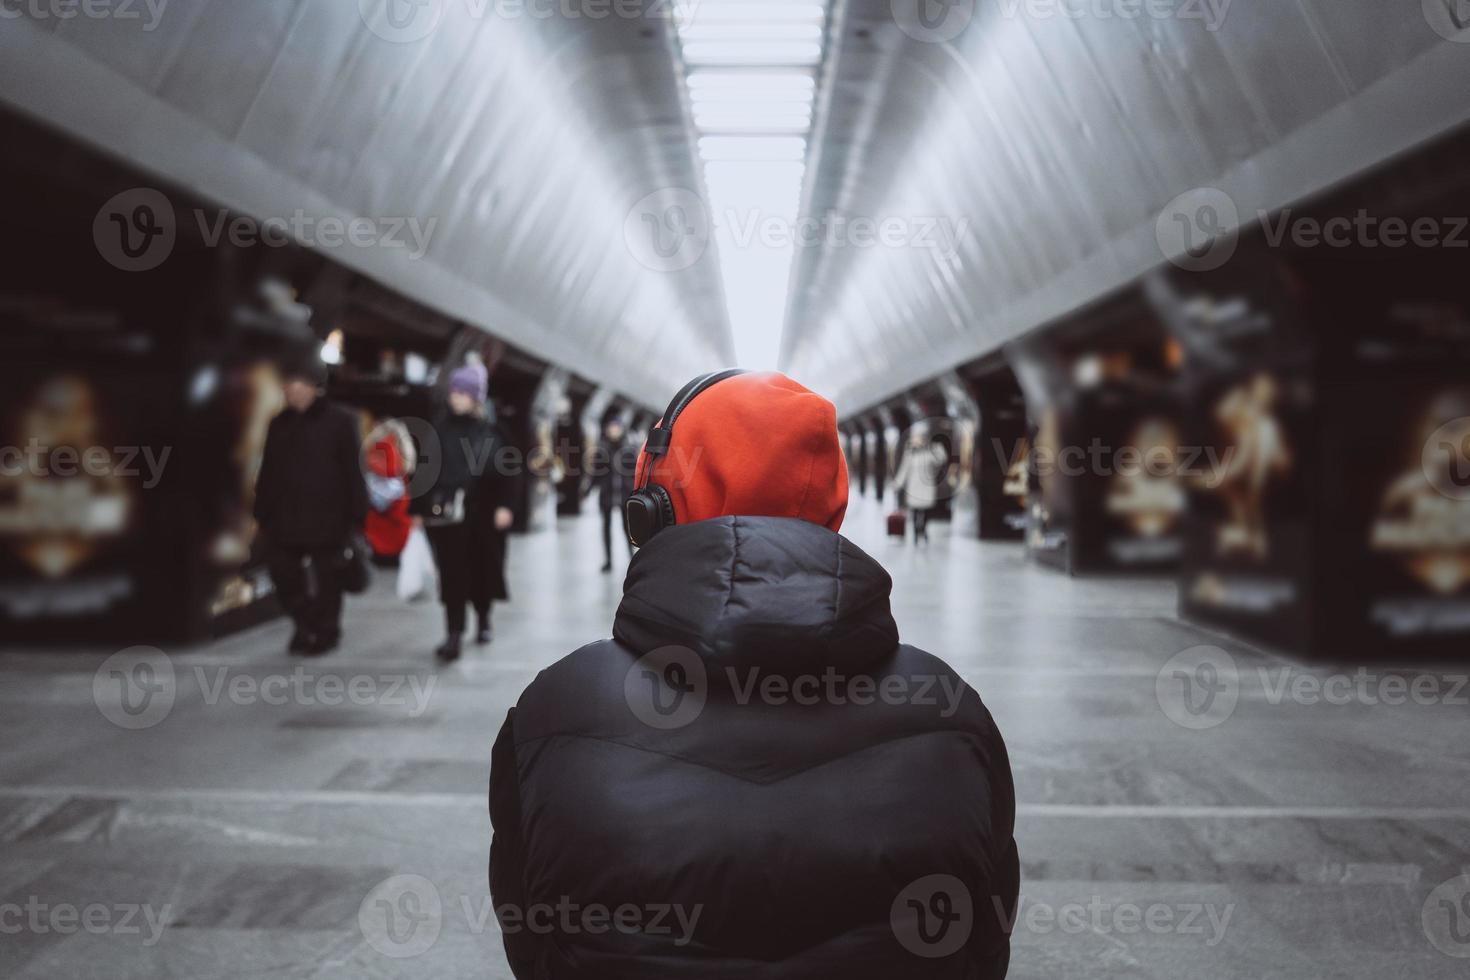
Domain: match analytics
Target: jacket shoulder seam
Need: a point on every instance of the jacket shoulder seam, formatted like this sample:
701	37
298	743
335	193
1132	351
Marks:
856	750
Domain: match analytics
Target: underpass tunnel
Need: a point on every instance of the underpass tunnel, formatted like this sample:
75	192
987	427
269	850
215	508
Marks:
1104	375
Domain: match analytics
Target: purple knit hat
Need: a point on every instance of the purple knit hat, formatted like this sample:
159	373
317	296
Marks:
472	380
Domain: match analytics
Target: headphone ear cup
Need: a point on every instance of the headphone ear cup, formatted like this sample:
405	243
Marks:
666	516
649	511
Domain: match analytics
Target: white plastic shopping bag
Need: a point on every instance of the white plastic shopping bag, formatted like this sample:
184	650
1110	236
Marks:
416	572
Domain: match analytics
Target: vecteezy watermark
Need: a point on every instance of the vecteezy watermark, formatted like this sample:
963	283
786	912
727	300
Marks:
1198	688
569	918
318	231
40	918
1446	917
1446	459
135	688
1199	231
1101	917
41	461
1290	685
944	692
933	21
138	688
1205	464
668	230
1211	13
1450	19
481	457
835	230
933	917
1201	688
403	917
1364	230
138	230
149	12
305	689
410	21
671	229
669	689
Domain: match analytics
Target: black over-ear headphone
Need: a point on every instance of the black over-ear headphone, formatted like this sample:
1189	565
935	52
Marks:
650	509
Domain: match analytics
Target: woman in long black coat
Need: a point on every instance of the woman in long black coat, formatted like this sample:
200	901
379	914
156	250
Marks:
468	512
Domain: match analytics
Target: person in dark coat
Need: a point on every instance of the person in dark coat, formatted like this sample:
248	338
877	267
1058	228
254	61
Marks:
310	498
468	513
613	480
754	777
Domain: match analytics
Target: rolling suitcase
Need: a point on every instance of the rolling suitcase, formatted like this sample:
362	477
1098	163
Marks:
897	524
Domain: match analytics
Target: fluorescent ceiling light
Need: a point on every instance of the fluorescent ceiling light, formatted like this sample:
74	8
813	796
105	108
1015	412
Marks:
753	172
775	148
756	128
754	113
713	11
720	170
752	32
752	53
751	81
775	101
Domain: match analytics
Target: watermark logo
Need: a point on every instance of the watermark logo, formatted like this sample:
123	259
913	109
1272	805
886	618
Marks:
1211	13
668	230
1199	230
149	11
41	918
136	230
301	688
401	21
1447	917
1364	230
933	21
934	917
943	692
1446	459
835	230
135	688
1449	18
40	460
409	234
402	917
668	688
1198	688
1365	688
1100	917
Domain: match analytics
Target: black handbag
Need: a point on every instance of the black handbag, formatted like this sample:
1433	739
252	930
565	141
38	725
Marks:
356	565
446	508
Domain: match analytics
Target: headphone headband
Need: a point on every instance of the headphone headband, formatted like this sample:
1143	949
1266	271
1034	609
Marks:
650	509
660	438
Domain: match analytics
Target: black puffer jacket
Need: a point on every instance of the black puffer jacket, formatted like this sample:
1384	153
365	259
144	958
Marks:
311	492
753	780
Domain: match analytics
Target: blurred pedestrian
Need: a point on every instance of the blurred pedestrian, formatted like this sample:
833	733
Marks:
469	511
310	500
735	713
617	458
389	462
922	471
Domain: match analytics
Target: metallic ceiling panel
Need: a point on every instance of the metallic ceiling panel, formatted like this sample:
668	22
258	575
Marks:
528	139
1060	139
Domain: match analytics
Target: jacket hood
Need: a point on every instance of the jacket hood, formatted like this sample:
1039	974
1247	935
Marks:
779	593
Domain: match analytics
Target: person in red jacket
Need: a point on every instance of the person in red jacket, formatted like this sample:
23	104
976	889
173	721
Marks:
754	777
390	463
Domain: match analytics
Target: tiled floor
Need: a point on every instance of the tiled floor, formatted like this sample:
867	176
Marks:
247	830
